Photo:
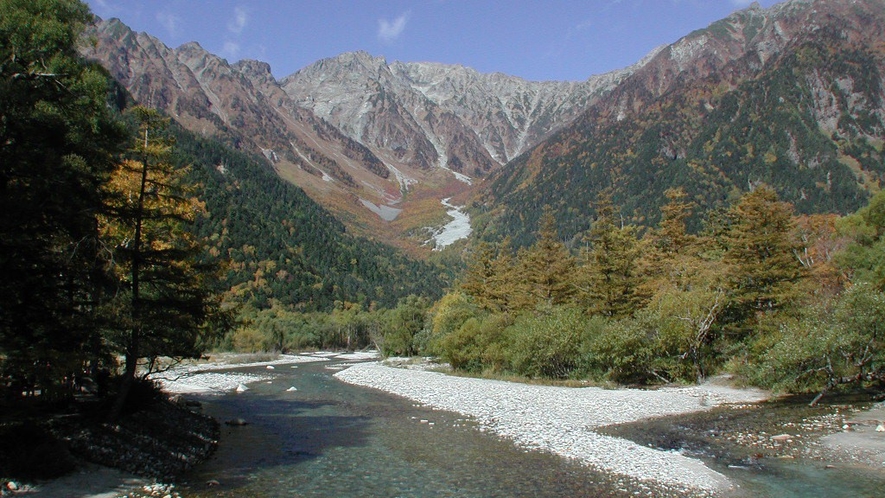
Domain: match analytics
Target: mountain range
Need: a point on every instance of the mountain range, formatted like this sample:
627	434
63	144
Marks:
791	96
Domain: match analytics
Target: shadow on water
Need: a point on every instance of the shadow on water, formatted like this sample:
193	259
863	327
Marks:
280	431
333	439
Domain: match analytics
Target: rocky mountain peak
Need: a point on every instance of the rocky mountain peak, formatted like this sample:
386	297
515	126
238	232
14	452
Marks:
191	47
791	96
254	70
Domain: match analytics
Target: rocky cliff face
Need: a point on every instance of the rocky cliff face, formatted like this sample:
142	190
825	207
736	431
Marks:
244	105
436	115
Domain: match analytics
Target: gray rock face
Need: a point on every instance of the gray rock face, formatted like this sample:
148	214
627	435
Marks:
449	116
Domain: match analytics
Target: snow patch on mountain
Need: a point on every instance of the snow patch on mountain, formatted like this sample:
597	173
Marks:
386	213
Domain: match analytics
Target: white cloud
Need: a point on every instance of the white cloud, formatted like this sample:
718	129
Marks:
584	25
389	31
240	20
231	50
169	21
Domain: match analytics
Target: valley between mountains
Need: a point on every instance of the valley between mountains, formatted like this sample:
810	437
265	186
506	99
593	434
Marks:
712	213
791	96
379	144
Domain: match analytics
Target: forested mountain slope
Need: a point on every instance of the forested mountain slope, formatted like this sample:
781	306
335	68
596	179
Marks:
792	96
280	246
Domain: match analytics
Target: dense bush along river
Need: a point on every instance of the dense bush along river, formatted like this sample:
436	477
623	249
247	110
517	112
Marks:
331	439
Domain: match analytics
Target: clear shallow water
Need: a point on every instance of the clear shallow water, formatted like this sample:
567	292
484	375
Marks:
761	471
333	439
808	479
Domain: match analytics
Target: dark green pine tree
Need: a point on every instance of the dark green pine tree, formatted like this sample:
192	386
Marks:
57	147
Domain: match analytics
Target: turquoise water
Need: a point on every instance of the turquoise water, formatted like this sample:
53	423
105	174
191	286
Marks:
808	479
332	439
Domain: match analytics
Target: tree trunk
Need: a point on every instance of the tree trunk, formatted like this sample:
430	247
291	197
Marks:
128	378
132	351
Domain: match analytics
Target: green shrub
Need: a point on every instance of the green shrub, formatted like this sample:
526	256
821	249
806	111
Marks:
546	345
622	352
248	340
827	347
401	325
446	317
477	345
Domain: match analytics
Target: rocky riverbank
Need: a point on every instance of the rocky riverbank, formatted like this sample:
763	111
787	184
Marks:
161	441
156	442
651	437
564	420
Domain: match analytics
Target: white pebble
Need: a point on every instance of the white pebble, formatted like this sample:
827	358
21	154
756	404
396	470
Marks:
560	419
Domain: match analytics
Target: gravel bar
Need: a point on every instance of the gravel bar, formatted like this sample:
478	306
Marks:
562	420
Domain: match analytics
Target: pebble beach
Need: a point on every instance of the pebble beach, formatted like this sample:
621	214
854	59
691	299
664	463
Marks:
562	420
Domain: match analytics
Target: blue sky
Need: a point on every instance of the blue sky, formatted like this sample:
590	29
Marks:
532	39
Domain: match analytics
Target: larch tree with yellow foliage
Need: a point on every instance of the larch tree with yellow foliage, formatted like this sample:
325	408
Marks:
163	298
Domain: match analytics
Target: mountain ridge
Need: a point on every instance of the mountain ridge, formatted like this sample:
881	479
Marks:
790	96
381	143
352	130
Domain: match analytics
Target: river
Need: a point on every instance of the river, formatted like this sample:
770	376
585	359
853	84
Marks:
328	438
331	439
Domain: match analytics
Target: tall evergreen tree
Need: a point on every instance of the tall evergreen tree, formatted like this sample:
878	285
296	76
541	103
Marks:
609	279
546	269
479	276
492	278
761	251
671	237
57	147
